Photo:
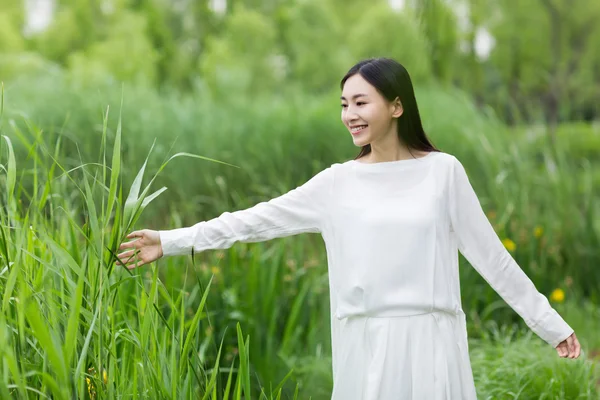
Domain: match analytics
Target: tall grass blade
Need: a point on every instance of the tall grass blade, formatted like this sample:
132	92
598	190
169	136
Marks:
11	173
244	349
115	169
42	333
192	330
228	385
73	322
215	373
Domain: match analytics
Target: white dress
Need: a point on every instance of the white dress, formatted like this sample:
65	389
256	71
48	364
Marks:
392	231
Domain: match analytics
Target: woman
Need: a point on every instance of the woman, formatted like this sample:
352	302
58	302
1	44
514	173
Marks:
393	220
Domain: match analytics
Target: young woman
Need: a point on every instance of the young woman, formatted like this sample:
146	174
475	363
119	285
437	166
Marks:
393	221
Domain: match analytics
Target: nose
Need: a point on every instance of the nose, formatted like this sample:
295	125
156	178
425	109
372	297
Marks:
350	115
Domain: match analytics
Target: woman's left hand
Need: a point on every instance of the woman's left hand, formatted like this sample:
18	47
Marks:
569	347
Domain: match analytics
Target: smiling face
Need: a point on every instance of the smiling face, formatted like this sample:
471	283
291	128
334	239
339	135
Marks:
368	115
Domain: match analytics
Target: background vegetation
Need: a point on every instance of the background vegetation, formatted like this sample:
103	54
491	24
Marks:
96	104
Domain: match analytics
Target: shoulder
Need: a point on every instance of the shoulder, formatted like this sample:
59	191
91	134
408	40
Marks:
446	158
449	163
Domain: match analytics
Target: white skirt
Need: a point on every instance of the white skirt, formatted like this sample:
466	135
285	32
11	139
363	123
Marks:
419	357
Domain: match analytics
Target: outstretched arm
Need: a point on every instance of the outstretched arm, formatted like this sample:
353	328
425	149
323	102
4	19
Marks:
482	247
300	210
303	209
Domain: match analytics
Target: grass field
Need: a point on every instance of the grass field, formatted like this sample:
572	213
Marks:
255	318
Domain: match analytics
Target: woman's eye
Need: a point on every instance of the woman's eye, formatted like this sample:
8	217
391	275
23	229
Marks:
358	103
344	106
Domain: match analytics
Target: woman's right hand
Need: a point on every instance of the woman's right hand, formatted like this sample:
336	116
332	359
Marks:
145	249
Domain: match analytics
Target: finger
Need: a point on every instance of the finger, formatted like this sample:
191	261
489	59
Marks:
127	260
134	234
137	265
126	254
128	245
577	346
561	350
571	347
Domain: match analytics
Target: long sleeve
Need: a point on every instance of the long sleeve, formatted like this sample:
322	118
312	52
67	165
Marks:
300	210
484	250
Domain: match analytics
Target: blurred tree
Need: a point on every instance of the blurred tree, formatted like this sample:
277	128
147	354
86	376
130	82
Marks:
15	10
313	41
245	58
160	36
133	59
350	12
75	26
546	53
470	76
61	37
439	25
11	40
381	31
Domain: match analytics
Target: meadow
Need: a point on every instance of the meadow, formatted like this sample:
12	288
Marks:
82	167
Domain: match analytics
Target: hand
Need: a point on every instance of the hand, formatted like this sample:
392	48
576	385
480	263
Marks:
146	248
569	347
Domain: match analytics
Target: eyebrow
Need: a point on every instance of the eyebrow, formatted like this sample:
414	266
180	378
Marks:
355	96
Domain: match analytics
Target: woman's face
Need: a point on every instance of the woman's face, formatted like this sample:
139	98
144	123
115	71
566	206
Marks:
366	113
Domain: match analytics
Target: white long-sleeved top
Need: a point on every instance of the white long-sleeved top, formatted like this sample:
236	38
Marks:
392	232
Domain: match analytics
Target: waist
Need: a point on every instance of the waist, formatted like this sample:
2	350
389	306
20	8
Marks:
397	312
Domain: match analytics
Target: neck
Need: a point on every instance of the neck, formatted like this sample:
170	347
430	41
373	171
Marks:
389	148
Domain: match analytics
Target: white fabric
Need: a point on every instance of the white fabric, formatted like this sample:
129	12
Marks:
392	232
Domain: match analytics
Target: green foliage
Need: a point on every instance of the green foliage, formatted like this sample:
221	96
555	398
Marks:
61	38
397	35
132	60
17	65
522	187
257	87
68	314
506	367
11	40
542	65
439	25
245	59
72	325
546	56
313	32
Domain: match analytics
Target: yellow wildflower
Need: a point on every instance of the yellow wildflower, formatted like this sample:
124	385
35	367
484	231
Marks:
509	244
538	231
90	387
104	376
557	295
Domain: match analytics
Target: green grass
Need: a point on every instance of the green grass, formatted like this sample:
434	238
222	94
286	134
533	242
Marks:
255	318
67	314
527	368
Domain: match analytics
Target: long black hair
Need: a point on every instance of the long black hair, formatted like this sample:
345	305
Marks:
392	80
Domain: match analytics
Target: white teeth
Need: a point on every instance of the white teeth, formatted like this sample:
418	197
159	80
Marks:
358	128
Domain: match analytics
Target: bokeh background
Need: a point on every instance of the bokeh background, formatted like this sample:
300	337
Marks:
99	95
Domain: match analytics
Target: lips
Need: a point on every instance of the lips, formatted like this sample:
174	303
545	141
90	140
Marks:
355	130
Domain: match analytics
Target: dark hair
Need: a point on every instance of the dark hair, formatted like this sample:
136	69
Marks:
391	79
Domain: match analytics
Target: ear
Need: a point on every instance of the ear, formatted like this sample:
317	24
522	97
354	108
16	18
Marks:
397	108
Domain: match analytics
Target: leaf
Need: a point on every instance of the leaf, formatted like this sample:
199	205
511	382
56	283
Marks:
12	170
193	327
42	334
115	169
